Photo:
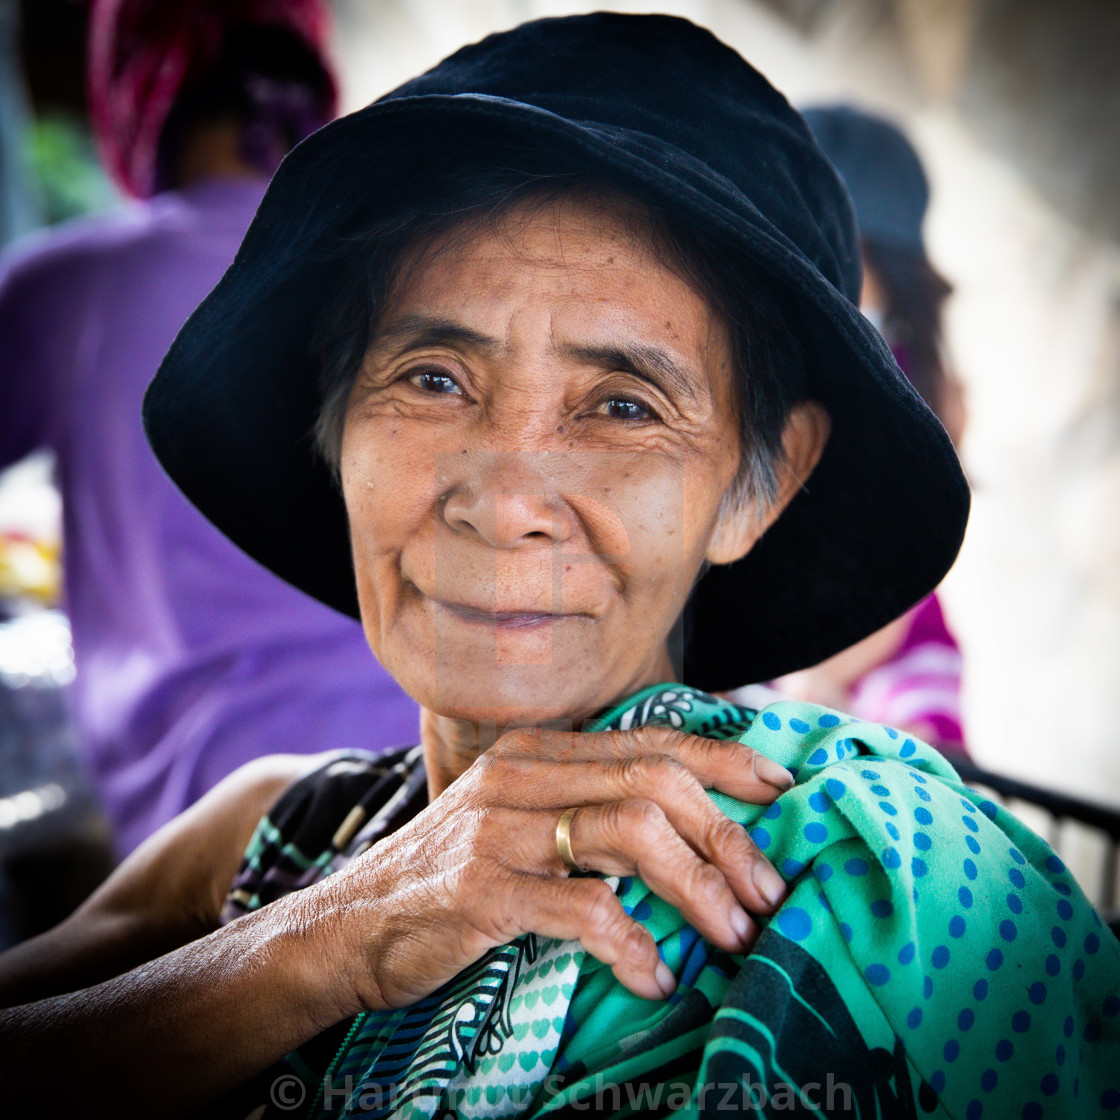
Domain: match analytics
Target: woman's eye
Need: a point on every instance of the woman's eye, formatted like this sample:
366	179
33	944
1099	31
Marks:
619	408
433	382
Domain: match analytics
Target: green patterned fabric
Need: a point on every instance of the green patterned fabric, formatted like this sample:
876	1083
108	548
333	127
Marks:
933	958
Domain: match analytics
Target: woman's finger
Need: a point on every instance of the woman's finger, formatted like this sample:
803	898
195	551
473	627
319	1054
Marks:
667	783
586	910
635	837
733	768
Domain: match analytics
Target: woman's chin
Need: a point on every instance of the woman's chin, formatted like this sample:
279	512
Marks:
512	700
507	695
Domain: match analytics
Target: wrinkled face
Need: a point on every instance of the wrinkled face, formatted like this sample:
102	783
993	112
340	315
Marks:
533	462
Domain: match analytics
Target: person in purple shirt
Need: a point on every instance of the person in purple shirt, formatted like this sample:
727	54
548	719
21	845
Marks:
192	659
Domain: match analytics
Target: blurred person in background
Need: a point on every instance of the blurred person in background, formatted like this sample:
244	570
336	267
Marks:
908	674
192	659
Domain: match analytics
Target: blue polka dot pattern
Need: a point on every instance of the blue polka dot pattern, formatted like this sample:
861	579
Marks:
877	974
915	911
794	922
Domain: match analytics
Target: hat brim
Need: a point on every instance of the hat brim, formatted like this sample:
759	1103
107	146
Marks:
232	407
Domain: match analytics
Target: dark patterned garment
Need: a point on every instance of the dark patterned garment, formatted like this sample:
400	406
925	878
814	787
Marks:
326	819
933	958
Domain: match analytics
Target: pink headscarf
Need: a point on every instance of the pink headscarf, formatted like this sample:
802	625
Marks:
143	52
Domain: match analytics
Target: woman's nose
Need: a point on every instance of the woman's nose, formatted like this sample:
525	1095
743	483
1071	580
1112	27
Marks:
507	501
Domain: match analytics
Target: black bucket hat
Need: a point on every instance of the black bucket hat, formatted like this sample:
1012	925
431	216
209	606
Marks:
664	107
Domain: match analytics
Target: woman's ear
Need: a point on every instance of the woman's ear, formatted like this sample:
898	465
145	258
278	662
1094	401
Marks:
742	523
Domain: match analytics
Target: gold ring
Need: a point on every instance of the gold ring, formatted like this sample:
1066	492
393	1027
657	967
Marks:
564	839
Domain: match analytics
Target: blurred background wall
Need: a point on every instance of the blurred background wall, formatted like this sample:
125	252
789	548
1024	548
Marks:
1014	106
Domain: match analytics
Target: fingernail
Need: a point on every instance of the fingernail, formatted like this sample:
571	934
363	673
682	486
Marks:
771	772
666	981
770	884
740	923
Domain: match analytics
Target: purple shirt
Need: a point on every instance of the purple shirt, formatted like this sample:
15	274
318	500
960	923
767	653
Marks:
192	659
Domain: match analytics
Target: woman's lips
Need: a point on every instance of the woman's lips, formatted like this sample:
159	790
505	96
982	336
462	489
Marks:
503	620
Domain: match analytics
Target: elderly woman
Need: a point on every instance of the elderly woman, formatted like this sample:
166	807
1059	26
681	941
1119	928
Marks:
546	366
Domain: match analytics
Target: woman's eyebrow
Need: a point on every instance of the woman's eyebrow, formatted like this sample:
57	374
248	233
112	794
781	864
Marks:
416	331
650	363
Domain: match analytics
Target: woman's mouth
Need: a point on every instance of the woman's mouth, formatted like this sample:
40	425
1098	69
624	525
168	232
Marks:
501	620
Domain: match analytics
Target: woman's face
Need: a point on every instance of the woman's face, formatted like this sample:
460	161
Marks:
533	461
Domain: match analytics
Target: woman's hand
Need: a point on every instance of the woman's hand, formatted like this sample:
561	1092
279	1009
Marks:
480	866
